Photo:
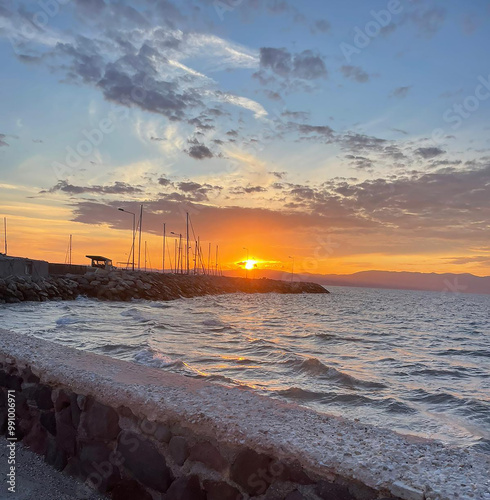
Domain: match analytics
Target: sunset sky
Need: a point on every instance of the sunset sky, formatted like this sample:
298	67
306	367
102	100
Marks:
351	135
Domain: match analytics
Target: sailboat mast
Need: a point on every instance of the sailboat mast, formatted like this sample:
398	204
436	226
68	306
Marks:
163	252
187	238
5	232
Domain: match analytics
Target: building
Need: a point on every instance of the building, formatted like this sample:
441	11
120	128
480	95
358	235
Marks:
20	266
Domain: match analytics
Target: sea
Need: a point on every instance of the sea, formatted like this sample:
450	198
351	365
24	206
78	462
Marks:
412	361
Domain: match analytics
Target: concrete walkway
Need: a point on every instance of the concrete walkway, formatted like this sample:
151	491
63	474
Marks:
36	480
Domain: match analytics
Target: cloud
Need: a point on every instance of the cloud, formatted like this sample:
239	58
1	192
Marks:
444	210
479	259
360	162
400	131
355	73
199	151
427	20
296	115
428	153
116	188
163	181
320	26
401	92
3	143
305	65
194	191
248	190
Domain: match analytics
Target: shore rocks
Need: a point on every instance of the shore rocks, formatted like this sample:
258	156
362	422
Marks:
126	285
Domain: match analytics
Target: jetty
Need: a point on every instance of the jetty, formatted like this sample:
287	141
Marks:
120	285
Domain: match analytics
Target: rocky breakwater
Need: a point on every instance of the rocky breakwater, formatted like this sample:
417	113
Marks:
124	285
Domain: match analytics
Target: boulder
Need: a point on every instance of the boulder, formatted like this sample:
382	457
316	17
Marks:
186	488
250	470
99	421
144	462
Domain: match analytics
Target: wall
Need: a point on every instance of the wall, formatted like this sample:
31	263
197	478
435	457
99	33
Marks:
18	266
67	269
142	433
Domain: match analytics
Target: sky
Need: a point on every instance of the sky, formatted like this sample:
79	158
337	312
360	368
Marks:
349	135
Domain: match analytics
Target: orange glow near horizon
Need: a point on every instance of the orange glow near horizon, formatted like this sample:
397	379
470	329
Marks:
45	236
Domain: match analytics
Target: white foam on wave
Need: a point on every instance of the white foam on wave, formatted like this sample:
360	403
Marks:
155	359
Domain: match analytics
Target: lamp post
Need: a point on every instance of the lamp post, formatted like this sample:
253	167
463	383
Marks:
292	269
246	263
134	229
180	252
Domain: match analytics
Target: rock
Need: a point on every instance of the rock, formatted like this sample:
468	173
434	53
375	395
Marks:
36	440
179	449
130	490
60	399
295	495
250	470
292	471
54	456
66	434
13	382
99	421
219	490
42	397
98	466
162	433
75	410
48	421
207	454
144	462
186	488
327	491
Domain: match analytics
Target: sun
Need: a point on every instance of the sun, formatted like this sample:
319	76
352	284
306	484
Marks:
250	264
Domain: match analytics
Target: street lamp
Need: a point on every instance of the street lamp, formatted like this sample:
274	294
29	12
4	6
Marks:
246	262
292	269
180	251
134	229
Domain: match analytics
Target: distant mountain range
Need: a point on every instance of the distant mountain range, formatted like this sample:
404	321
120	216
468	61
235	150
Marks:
448	282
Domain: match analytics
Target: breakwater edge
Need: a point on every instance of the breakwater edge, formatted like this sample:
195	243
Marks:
125	285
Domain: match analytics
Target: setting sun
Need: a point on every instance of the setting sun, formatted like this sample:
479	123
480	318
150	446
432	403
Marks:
250	264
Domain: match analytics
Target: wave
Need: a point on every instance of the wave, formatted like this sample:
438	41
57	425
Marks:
314	367
213	322
156	359
70	320
219	378
117	347
299	394
465	352
326	336
137	315
437	372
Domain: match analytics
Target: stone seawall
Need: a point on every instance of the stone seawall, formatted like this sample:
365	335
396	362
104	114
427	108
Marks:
126	285
135	432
